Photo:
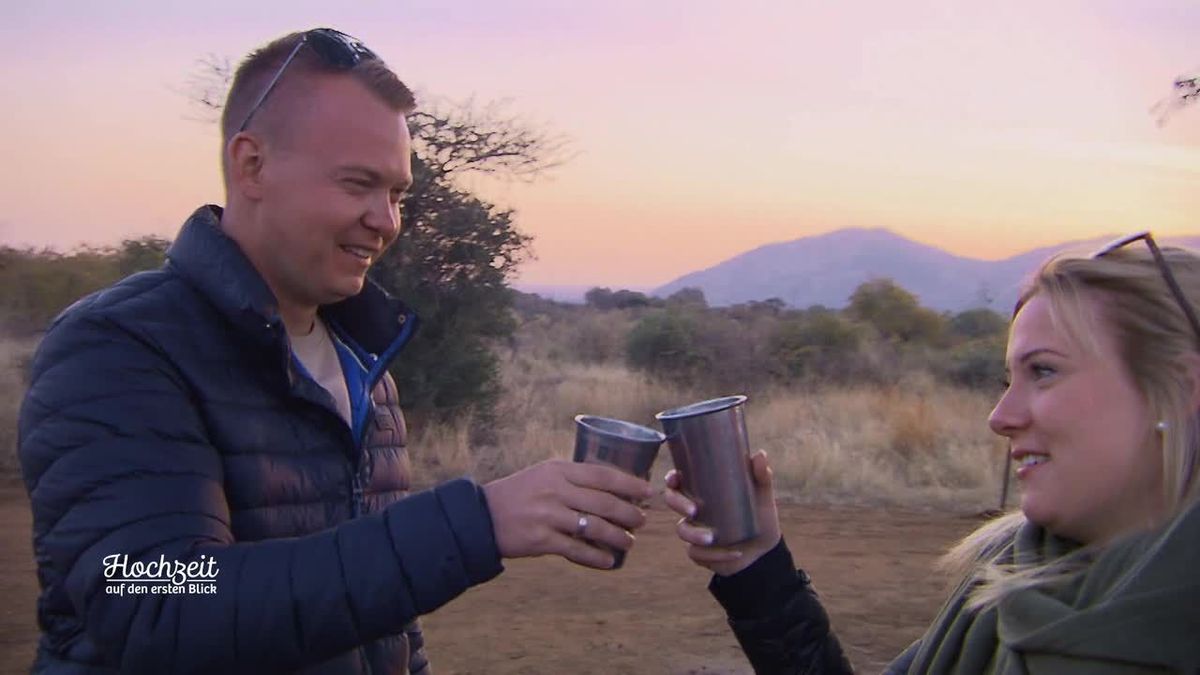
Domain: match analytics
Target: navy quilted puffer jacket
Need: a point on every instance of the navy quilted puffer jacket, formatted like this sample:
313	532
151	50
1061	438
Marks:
166	420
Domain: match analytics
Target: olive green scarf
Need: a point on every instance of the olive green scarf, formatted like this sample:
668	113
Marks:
1134	609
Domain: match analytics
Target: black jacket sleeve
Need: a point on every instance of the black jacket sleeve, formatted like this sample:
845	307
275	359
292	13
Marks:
777	618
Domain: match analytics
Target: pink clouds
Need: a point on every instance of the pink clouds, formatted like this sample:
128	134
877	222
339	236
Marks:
703	129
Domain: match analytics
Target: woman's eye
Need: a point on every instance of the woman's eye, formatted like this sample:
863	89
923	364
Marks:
1040	371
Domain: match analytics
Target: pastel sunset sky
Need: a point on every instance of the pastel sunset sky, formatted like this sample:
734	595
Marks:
698	130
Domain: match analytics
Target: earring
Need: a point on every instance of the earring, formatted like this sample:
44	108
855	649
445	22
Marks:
1161	426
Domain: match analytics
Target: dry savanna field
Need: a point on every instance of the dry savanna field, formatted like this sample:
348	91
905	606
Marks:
876	483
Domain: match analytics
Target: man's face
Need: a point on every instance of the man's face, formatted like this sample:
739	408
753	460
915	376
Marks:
331	186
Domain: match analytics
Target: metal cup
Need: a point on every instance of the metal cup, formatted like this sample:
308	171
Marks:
711	451
624	445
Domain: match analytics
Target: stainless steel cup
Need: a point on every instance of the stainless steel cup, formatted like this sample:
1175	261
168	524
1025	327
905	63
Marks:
624	445
711	451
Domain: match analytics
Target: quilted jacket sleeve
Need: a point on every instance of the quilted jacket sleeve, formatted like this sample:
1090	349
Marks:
116	460
778	620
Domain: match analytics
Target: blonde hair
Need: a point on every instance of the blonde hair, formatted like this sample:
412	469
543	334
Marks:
1157	346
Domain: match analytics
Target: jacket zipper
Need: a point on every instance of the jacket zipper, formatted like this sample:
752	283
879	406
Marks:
356	497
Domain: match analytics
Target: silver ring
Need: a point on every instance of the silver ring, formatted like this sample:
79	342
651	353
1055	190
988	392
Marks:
581	525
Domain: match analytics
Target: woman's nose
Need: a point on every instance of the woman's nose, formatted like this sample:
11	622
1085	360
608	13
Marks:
1010	414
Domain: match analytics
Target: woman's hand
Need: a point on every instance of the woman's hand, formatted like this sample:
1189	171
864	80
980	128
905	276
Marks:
728	560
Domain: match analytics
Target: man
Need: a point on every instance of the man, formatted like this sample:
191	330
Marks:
213	450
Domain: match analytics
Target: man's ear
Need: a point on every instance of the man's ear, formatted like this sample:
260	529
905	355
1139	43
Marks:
246	157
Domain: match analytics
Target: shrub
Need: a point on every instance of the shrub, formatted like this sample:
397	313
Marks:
666	343
820	345
978	323
978	364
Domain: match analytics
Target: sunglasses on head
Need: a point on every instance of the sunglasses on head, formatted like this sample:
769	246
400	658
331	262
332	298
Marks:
335	48
1164	268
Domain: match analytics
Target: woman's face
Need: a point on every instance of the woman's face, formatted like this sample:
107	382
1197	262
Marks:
1086	449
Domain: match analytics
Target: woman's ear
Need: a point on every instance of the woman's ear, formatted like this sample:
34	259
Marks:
246	155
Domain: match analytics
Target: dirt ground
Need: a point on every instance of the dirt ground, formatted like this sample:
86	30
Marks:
872	568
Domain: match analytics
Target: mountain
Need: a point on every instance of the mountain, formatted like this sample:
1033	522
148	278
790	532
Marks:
825	269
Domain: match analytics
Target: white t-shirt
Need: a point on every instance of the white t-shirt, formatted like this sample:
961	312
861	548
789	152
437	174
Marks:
319	356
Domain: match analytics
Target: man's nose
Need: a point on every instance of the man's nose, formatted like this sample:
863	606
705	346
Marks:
384	217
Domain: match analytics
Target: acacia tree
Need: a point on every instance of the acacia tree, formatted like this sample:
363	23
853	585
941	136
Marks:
894	312
457	253
452	264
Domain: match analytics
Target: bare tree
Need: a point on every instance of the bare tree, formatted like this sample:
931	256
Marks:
205	87
464	137
1186	90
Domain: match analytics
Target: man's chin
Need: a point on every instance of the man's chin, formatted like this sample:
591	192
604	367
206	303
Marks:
343	292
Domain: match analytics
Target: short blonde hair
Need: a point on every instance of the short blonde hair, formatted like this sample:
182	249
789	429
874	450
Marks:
256	70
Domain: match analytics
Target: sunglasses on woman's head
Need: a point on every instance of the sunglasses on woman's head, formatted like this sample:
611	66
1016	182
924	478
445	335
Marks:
335	48
1164	268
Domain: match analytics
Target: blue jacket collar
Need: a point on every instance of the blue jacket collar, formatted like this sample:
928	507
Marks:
212	262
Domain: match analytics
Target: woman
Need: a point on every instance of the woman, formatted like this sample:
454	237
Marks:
1099	571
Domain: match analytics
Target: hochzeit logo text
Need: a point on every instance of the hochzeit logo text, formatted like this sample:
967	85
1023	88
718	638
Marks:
162	576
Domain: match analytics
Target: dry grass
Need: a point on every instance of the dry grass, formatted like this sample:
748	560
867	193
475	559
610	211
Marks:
917	444
14	357
536	417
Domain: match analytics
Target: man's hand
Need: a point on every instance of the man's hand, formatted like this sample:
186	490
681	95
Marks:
538	510
728	560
